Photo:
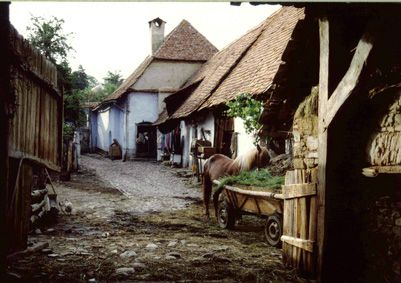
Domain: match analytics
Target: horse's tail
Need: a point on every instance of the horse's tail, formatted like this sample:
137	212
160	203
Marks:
207	187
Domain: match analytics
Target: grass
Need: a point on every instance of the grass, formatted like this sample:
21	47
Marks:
258	178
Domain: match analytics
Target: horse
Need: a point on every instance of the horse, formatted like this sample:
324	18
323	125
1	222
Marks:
219	165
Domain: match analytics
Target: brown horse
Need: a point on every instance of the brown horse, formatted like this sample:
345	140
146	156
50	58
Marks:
219	165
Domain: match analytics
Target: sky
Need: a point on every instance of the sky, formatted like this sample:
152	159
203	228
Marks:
115	36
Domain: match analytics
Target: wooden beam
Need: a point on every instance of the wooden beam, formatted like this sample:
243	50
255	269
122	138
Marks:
322	139
251	193
351	77
299	190
299	243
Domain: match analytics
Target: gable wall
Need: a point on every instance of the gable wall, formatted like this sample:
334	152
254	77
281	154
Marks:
166	74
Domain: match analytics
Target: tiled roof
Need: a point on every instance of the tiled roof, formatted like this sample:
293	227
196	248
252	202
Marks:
255	73
247	65
182	43
185	43
214	71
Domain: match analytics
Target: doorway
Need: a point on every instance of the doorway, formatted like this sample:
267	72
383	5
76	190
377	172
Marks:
146	140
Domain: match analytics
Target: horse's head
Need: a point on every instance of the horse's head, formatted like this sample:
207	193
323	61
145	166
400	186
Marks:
263	157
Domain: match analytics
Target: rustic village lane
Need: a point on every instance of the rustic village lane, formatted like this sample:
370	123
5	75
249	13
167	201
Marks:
154	232
150	187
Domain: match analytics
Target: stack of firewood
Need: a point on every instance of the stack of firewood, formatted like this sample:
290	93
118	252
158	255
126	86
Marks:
43	200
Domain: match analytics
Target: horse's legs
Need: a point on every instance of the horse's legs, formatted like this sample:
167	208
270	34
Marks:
207	192
216	199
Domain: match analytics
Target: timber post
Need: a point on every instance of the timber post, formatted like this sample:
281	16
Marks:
322	138
4	127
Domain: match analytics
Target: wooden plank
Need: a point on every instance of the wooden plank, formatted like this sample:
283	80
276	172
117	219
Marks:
28	110
306	245
322	139
36	138
351	77
251	193
299	190
46	127
396	169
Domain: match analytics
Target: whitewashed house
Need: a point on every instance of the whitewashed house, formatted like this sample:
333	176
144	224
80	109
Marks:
251	65
127	115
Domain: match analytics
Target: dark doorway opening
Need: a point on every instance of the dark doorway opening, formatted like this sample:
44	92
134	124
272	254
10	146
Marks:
146	140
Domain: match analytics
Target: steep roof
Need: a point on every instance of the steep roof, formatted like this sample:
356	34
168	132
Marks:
214	71
247	65
256	71
183	43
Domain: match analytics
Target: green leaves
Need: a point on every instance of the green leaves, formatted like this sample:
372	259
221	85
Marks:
49	37
258	178
249	110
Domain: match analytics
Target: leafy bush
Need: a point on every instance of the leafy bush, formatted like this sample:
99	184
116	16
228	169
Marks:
249	110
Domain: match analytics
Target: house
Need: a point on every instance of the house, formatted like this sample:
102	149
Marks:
127	115
343	218
249	65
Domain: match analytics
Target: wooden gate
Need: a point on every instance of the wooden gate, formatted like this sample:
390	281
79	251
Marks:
299	223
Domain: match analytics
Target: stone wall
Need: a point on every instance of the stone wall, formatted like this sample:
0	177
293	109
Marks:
385	148
305	130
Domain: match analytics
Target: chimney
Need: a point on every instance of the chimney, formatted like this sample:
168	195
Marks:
156	27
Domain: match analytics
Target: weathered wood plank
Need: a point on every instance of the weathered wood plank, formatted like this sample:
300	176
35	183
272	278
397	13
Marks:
351	77
322	138
299	243
396	169
251	193
299	190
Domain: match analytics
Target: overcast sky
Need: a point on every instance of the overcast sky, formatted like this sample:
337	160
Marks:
115	36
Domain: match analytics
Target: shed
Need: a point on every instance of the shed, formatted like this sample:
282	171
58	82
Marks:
346	146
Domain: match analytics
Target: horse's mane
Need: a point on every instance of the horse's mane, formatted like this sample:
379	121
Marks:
246	160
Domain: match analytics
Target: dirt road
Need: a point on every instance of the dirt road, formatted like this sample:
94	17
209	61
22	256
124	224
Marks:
152	232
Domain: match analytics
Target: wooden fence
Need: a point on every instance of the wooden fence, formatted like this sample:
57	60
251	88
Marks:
36	126
35	137
299	224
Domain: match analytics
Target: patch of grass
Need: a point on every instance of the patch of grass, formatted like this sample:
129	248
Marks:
258	178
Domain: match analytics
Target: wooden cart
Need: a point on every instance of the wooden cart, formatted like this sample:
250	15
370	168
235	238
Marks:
235	202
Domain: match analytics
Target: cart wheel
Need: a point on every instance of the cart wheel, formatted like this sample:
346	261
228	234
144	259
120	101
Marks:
274	230
225	215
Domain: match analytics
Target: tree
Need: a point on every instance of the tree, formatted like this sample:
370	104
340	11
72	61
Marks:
80	80
111	82
113	78
49	37
249	110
